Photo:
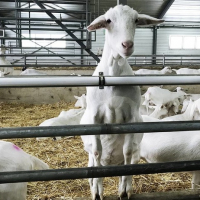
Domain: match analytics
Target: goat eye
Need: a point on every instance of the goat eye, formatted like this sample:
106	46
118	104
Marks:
108	21
136	21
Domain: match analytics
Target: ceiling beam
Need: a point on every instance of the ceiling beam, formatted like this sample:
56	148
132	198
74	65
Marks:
67	31
166	7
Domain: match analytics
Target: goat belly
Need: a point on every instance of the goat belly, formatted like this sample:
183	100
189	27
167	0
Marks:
112	151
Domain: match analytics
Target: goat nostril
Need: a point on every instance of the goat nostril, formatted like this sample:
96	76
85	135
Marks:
127	45
124	45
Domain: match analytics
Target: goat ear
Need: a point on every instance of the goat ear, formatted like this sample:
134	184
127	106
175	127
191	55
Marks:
99	22
76	97
145	20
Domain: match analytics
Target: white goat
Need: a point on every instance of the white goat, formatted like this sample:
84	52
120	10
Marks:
70	117
32	72
186	71
3	61
193	97
165	70
195	110
187	115
81	101
171	147
159	111
12	158
114	104
2	74
160	96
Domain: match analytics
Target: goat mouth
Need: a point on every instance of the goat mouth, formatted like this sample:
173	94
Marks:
127	54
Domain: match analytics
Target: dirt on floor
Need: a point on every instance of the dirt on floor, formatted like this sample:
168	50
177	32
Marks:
68	153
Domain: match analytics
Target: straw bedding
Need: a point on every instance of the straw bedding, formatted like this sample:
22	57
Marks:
67	153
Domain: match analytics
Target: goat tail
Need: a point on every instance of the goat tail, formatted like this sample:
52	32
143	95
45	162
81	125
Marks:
38	164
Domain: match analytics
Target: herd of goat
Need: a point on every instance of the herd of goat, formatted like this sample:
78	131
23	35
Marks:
119	105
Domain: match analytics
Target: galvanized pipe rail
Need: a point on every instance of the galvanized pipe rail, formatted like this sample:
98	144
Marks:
75	81
51	1
40	19
43	10
95	172
99	129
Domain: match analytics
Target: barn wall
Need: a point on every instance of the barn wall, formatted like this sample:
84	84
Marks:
163	41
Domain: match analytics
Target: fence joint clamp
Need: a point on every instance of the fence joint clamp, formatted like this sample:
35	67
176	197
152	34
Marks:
101	80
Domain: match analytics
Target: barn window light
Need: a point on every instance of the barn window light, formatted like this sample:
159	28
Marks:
189	42
176	42
184	42
198	42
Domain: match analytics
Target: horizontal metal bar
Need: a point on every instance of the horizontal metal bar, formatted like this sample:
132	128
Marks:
64	81
46	65
98	129
51	1
43	10
45	29
42	48
95	172
59	39
41	19
43	24
41	55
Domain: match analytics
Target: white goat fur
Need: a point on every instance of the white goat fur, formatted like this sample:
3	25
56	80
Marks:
174	146
3	61
81	101
114	104
170	147
187	71
32	72
165	70
160	96
12	158
70	117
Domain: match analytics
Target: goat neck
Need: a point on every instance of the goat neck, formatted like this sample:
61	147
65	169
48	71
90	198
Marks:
113	64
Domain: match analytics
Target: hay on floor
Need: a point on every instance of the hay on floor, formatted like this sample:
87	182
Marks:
67	153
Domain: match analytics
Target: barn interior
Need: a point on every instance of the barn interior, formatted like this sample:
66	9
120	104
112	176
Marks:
50	36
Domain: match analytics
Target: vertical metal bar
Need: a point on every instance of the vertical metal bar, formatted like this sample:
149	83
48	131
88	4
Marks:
24	68
16	22
98	9
163	59
123	2
88	34
82	26
3	26
154	47
19	21
29	21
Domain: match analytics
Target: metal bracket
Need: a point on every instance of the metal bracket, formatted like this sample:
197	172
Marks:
101	80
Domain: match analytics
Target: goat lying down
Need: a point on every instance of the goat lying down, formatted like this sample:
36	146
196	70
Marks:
12	158
171	147
117	104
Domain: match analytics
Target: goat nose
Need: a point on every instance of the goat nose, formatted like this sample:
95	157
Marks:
127	44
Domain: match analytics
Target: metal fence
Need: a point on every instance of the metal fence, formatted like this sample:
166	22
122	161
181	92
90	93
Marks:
97	129
42	59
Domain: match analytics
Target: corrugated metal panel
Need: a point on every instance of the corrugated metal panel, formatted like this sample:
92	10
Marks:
150	7
184	10
143	42
163	41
